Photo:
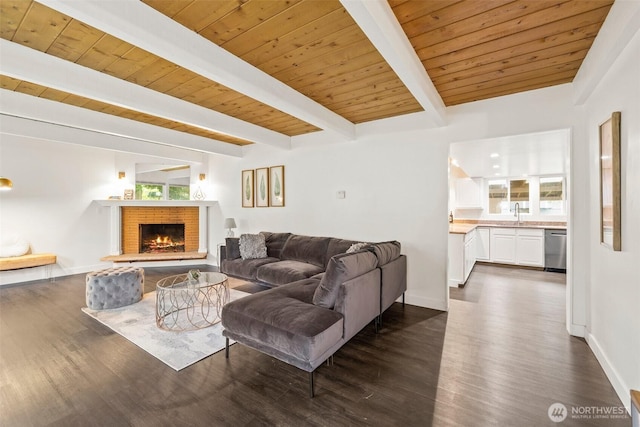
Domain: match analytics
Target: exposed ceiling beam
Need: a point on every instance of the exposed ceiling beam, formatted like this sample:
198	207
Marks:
71	117
144	27
377	21
29	128
24	63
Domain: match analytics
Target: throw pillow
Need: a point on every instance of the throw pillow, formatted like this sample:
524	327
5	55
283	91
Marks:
11	246
356	247
252	246
340	269
232	245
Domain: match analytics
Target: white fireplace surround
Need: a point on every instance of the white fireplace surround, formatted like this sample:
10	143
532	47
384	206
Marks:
115	231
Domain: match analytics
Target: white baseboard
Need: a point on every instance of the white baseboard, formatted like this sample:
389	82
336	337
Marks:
421	301
622	390
577	330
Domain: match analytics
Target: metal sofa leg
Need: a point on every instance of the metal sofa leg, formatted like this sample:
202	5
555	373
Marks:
226	349
403	299
311	390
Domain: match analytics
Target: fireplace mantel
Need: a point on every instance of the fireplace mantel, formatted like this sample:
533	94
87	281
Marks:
116	223
119	203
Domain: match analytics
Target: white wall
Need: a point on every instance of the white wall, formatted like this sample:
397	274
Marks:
613	326
50	203
395	190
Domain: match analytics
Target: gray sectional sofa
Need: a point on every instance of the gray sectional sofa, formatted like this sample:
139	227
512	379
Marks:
320	296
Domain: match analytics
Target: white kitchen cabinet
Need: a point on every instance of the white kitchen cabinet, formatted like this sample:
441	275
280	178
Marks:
469	254
519	246
482	244
503	245
462	257
468	193
530	247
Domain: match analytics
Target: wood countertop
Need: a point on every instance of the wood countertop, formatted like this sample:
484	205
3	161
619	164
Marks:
461	228
465	227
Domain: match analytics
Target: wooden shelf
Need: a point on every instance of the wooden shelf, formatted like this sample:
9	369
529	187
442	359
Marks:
27	261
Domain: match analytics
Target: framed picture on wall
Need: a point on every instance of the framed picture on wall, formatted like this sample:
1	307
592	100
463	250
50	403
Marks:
276	187
247	188
610	199
262	187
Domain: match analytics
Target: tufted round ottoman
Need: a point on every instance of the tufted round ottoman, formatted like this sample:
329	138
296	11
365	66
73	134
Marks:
114	287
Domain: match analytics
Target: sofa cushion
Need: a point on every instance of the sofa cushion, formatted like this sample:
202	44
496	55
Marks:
283	319
342	268
246	269
337	246
287	271
386	251
232	245
307	249
252	246
275	242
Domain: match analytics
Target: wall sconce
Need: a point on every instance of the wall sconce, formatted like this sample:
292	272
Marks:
5	184
121	175
202	177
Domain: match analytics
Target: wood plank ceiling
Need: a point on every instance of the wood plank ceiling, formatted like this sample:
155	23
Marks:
471	50
475	50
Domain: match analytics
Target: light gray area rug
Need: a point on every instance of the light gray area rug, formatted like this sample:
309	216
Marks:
137	323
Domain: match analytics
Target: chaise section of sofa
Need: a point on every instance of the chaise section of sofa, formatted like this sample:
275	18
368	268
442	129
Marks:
305	322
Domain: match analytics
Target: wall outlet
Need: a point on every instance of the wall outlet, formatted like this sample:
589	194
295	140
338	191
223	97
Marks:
341	194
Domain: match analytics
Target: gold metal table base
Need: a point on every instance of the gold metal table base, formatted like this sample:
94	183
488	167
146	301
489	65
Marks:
184	304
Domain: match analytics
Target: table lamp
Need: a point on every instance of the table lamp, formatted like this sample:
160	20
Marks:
229	224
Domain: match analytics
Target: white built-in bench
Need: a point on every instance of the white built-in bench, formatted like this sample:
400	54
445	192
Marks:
26	261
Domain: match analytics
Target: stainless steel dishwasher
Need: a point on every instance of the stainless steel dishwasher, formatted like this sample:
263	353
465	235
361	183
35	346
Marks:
555	250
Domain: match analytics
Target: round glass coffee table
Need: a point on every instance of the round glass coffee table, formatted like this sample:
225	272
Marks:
186	303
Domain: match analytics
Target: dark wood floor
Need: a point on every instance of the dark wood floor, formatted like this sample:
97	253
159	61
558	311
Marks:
500	357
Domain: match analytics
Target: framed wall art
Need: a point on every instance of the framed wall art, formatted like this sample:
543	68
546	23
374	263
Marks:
262	187
276	187
247	188
610	199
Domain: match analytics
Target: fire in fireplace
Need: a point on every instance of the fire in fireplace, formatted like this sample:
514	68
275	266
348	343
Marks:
159	238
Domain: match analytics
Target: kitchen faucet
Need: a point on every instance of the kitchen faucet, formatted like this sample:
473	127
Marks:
517	212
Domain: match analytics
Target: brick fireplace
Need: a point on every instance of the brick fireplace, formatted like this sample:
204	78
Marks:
135	216
126	216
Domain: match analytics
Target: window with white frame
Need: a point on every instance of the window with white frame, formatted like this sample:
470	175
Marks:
552	195
154	191
519	193
505	193
498	196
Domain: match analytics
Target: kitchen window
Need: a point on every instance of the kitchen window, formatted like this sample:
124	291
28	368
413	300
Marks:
519	193
498	196
552	195
505	193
